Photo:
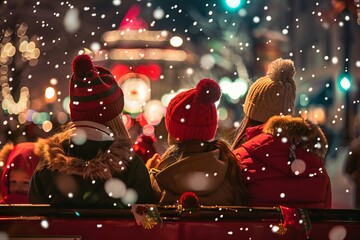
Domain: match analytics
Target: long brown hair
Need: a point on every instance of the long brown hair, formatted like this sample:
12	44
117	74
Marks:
240	136
175	151
234	171
117	126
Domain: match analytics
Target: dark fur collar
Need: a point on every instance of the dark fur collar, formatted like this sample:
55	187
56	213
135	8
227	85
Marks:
103	166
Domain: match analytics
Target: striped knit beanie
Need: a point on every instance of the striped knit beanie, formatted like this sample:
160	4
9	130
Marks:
94	93
273	94
192	114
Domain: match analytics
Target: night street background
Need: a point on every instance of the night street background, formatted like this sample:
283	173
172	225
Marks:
177	43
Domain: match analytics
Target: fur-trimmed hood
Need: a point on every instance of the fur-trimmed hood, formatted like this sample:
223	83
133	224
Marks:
103	166
17	157
301	132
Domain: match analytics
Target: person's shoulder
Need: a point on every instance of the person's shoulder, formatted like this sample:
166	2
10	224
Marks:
136	158
136	162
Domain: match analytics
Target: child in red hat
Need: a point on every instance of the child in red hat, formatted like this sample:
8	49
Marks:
20	162
195	162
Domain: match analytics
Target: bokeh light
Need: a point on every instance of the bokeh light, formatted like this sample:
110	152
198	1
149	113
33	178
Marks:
79	137
136	93
44	224
176	41
337	233
71	20
233	3
49	92
158	13
154	112
47	126
298	166
66	104
130	197
148	130
62	117
115	188
207	61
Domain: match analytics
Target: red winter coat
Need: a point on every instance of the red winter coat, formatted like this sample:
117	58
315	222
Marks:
274	176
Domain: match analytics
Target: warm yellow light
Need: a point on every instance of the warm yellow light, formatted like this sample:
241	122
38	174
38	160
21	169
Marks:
8	102
148	54
112	37
176	41
53	81
47	126
49	92
23	46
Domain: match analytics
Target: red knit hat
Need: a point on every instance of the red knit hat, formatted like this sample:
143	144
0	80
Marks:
192	115
94	93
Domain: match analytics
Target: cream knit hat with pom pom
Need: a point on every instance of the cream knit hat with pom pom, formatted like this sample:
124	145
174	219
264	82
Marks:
273	94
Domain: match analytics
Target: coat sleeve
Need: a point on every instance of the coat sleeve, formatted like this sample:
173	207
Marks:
36	193
139	180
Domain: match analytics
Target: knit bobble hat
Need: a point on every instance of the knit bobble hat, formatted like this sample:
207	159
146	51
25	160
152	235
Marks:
273	94
94	93
192	114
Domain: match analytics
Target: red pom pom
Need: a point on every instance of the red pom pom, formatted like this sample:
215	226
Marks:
189	200
82	66
208	91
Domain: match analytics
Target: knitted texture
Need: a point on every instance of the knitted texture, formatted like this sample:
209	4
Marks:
94	93
273	94
192	114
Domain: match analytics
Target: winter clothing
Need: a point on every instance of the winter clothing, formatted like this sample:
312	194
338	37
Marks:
90	163
18	157
273	94
197	170
94	93
352	167
96	174
192	114
283	162
193	163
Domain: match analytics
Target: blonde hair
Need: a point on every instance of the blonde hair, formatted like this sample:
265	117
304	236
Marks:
240	137
117	126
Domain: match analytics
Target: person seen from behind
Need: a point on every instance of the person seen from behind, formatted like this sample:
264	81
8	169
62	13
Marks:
195	161
282	156
90	163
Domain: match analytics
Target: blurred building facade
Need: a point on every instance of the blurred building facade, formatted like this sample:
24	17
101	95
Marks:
175	45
